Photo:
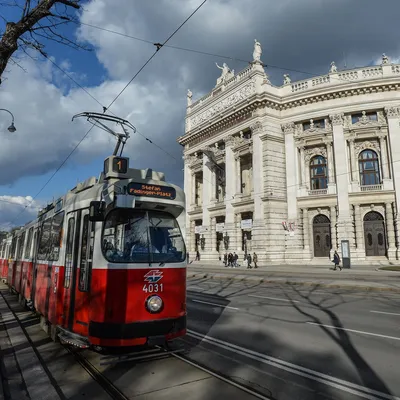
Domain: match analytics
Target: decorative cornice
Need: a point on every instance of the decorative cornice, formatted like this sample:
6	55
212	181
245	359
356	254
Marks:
257	127
337	119
288	127
392	112
368	144
261	102
314	151
242	94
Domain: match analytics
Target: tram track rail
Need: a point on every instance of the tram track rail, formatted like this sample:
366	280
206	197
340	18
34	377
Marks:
100	378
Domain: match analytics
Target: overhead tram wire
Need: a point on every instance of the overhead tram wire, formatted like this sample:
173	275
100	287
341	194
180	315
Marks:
159	46
202	52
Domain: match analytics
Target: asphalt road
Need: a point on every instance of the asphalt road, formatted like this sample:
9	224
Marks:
297	343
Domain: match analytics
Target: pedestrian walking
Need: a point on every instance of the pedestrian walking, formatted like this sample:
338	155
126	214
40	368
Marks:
336	260
249	261
255	259
226	259
197	255
235	260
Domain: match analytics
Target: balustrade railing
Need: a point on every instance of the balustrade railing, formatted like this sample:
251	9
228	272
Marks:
370	188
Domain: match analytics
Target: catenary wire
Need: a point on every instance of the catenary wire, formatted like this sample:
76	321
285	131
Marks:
266	65
106	108
159	46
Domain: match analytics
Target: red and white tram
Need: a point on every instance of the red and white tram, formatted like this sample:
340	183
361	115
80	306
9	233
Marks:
105	265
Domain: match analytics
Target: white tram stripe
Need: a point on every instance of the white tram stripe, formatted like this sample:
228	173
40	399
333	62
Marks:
355	331
384	312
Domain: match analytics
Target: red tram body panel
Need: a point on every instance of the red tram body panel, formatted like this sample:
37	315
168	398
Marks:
105	265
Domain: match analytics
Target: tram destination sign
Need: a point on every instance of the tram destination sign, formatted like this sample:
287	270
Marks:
143	189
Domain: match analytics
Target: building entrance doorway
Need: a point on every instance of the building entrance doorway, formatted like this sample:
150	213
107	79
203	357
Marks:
322	236
374	234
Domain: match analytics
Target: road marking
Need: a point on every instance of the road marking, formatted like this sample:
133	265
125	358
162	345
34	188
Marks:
273	298
214	304
337	383
355	331
193	287
383	312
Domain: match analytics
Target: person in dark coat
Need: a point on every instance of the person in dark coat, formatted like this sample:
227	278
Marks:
249	261
255	259
336	260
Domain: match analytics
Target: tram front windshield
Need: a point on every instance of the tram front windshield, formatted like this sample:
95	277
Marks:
138	236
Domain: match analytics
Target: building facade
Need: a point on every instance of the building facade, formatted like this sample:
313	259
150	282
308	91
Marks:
297	171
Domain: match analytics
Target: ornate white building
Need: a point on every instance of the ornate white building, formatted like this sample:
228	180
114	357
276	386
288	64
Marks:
292	171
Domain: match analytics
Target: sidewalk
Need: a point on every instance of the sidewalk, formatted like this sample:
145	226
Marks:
357	277
23	376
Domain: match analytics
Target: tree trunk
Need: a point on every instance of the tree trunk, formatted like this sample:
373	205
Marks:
9	41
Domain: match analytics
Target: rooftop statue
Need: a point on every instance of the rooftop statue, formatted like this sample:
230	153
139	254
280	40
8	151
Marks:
257	51
225	74
286	79
333	67
189	97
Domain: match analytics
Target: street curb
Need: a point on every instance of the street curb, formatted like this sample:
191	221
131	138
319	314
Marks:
291	283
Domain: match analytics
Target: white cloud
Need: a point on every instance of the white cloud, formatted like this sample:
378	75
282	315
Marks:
305	35
16	210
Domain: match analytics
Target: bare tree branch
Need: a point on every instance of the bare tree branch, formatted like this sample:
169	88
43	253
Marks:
29	24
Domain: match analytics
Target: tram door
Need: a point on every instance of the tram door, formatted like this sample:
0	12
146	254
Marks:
71	261
78	262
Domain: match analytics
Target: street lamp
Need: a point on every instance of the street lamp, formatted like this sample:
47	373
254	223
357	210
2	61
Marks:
12	127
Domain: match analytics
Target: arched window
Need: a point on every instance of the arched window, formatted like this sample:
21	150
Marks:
369	168
318	175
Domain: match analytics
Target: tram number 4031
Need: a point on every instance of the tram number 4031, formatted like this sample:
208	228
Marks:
153	287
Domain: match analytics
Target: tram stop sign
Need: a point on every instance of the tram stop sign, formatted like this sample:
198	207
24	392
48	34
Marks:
345	254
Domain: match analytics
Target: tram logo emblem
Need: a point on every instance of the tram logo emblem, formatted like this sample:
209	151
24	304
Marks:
153	276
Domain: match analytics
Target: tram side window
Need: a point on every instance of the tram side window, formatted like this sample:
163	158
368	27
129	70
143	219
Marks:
69	252
13	247
56	236
44	241
21	246
86	254
27	253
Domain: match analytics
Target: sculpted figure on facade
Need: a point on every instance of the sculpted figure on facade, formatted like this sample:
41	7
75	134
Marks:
333	67
385	59
189	98
257	51
225	74
286	79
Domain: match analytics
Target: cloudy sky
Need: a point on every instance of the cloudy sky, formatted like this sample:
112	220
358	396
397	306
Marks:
302	35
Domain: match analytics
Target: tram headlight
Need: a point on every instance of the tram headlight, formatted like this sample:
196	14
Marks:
154	304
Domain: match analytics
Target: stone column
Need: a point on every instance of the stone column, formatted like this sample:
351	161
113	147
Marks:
345	221
213	184
213	235
331	173
238	234
303	167
207	189
390	231
359	230
306	230
193	187
333	227
258	188
238	174
192	236
353	162
230	190
393	114
290	156
384	158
